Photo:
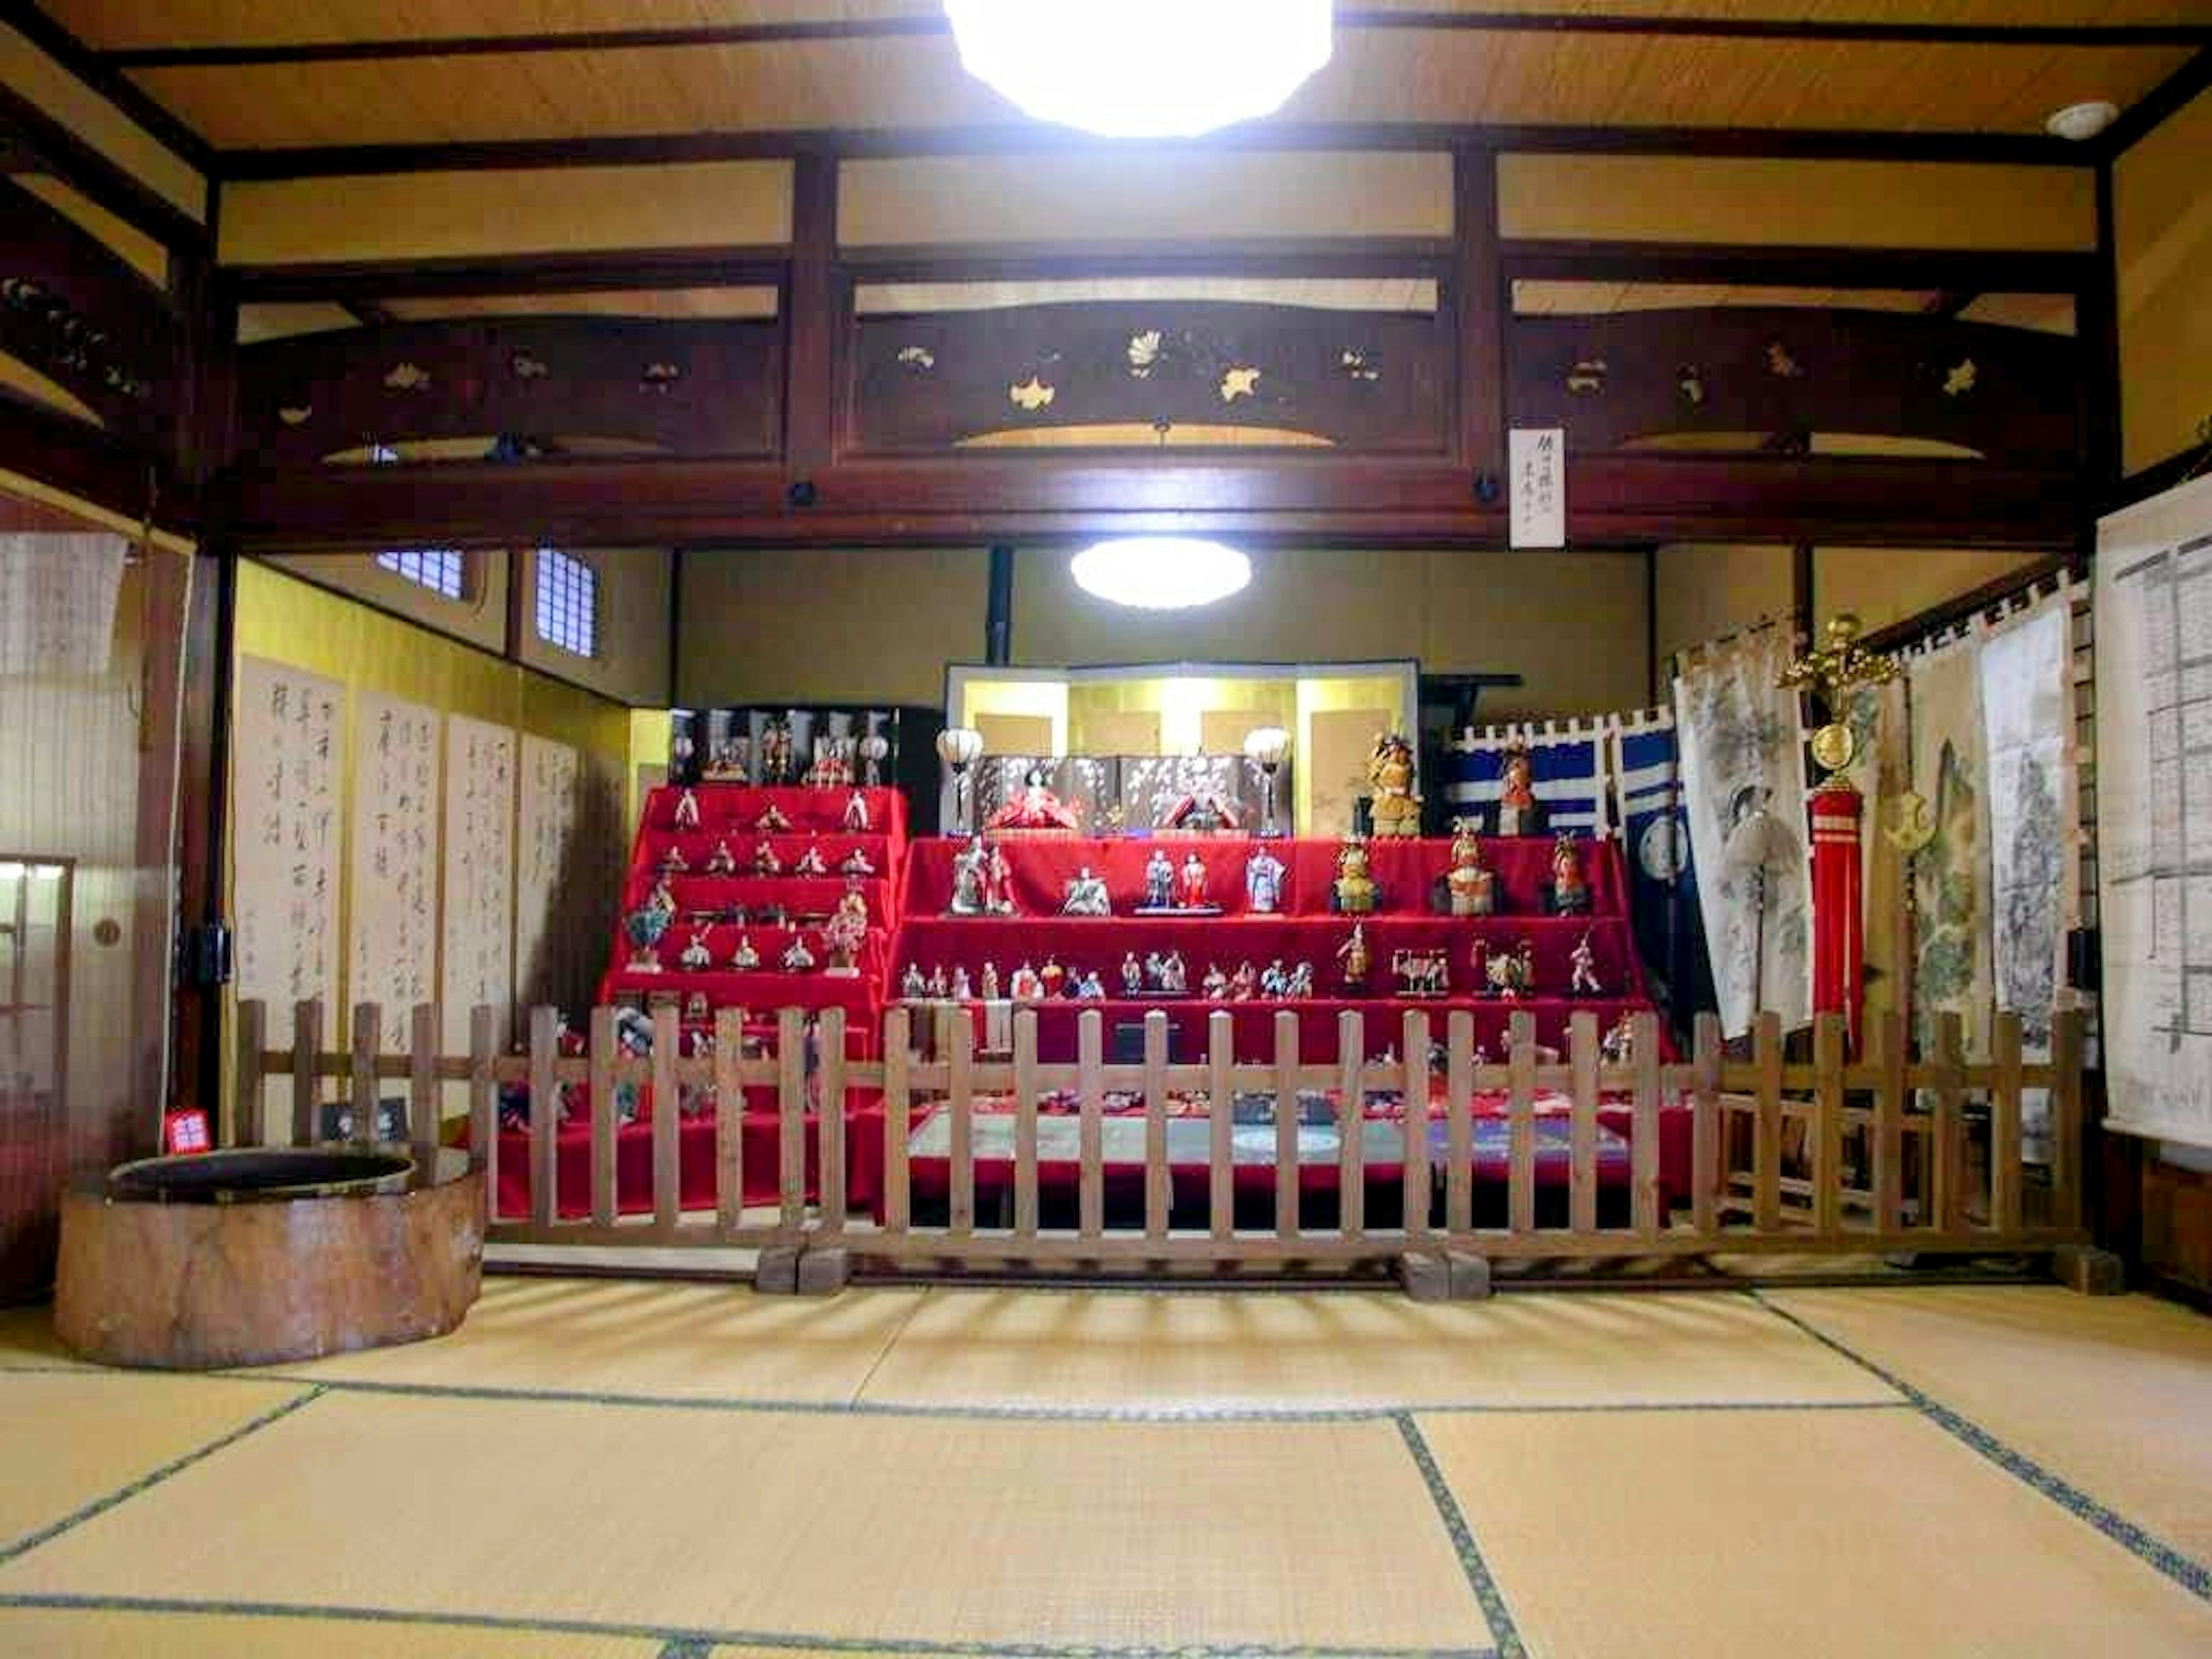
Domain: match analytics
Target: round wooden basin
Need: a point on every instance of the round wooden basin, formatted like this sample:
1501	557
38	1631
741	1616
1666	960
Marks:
254	1256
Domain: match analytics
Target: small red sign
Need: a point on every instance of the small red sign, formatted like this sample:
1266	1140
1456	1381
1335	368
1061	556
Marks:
186	1131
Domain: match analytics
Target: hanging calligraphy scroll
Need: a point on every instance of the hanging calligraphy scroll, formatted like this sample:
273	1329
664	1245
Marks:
478	963
392	931
546	852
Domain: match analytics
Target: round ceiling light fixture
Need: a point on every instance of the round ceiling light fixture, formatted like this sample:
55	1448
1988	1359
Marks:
2078	123
1161	572
1142	68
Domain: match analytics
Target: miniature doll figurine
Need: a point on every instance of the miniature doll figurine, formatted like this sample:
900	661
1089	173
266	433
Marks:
997	883
1052	978
744	958
1175	977
1570	893
1396	810
1354	891
1352	953
765	862
662	898
855	864
912	985
1086	895
1214	987
990	981
1033	806
1133	975
811	862
1618	1046
941	987
1300	983
672	862
696	1007
1242	984
645	927
687	811
1471	890
856	813
797	958
771	821
1159	881
1519	811
1190	887
1582	963
1026	986
845	931
1274	982
1263	883
696	957
1508	974
962	990
969	866
1155	973
776	753
1088	988
721	861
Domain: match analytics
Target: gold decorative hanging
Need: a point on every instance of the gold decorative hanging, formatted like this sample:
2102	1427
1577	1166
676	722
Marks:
1840	665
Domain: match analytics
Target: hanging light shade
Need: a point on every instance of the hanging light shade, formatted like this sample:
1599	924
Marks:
1142	68
1161	572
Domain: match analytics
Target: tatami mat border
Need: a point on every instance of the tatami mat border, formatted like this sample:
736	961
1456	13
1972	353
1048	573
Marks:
152	1478
2185	1571
1491	1600
685	1641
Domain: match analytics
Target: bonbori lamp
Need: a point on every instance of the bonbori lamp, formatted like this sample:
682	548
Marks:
1265	747
873	749
960	747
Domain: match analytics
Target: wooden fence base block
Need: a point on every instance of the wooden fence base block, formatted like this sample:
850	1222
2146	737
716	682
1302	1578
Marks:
777	1271
1443	1276
2091	1271
824	1272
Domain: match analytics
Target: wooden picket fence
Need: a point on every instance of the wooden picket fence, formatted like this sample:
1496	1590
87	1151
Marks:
1829	1157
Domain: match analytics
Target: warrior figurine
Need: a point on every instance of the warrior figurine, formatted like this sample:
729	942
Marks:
845	931
1191	887
1581	964
1354	891
1570	893
687	811
1089	988
969	866
1263	883
1618	1046
811	862
721	861
744	958
1159	881
940	987
856	813
1396	810
696	957
1086	895
765	862
1352	953
1519	811
1470	890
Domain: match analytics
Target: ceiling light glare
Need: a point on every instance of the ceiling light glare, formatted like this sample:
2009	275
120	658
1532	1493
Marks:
1142	68
1161	572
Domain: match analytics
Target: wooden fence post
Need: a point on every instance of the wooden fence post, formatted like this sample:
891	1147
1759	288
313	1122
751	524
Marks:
1159	1189
1950	1156
368	1038
1889	1125
1415	1189
667	1121
1026	1123
605	1120
2066	1147
483	1104
1351	1124
1827	1124
1582	1191
898	1120
1767	1126
306	1070
1521	1122
791	1117
1705	1123
426	1112
829	1120
544	1118
1221	1124
1647	1214
1090	1103
1287	1124
729	1121
245	1083
1459	1124
2005	1128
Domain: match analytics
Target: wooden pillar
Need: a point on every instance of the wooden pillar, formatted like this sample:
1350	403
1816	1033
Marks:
814	313
1481	306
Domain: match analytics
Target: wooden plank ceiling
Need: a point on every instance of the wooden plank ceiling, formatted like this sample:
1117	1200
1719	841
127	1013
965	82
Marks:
278	75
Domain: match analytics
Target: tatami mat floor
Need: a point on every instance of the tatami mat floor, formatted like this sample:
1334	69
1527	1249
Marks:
600	1467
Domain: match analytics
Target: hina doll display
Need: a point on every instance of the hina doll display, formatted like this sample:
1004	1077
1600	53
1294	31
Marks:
1086	895
1396	810
856	813
1354	892
1519	811
797	958
645	927
744	958
687	811
1214	987
1352	953
1263	883
1159	884
722	861
845	933
1469	890
1581	969
771	822
1033	806
1190	888
765	862
697	958
811	862
1569	895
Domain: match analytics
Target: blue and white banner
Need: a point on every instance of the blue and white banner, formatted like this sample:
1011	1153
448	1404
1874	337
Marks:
1566	765
1663	879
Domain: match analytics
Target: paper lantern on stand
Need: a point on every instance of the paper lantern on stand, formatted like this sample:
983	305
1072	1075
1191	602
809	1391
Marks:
960	747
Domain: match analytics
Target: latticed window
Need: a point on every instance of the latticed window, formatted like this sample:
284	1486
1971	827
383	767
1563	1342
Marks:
568	602
443	570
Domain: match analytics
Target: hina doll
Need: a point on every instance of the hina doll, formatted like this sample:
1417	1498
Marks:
797	958
1263	883
811	862
1190	887
1570	893
855	864
1352	953
1354	891
1214	987
1519	811
1581	969
1471	890
744	958
722	861
1133	975
1396	810
771	822
962	990
697	958
990	982
765	862
1159	881
687	811
913	987
1242	984
856	813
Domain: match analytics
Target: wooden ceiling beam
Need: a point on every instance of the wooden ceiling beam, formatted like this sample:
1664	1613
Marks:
1930	270
319	161
31	22
52	148
235	55
377	280
2163	99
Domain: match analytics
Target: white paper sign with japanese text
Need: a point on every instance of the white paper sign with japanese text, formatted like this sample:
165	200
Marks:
1537	460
